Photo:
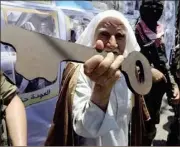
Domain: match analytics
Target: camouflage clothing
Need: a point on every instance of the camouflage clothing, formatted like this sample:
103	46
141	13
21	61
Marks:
173	138
177	57
175	67
7	92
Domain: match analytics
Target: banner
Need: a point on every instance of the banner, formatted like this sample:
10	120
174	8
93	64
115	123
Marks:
30	19
78	16
39	95
169	20
131	11
39	18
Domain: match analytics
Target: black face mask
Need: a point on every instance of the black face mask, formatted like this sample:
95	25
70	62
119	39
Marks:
151	12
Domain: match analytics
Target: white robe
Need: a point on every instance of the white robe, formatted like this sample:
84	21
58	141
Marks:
101	128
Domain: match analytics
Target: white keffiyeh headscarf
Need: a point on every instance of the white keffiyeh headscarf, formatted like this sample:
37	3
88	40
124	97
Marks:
87	37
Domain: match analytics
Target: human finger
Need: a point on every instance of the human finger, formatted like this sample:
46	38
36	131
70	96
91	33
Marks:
104	65
114	78
99	46
115	65
92	63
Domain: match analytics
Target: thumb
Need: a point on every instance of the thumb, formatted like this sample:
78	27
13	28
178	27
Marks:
175	94
99	46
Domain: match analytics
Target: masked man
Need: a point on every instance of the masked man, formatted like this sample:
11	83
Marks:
149	35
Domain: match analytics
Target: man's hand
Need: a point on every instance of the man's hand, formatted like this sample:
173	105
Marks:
157	75
104	71
176	99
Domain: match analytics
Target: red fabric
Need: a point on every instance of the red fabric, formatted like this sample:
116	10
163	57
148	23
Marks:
141	26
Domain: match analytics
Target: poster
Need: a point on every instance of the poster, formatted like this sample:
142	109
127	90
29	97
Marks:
78	17
45	19
129	7
75	25
78	24
42	2
131	11
45	22
38	95
8	59
169	19
2	19
44	16
48	3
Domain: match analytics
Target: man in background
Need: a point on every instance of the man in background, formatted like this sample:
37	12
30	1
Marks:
150	35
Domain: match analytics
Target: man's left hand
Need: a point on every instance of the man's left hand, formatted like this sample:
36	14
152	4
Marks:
176	99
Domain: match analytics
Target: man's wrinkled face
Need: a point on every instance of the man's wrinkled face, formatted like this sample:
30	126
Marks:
112	33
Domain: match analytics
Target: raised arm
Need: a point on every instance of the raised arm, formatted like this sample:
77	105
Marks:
89	120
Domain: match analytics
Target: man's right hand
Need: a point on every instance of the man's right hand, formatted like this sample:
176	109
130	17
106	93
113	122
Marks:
104	71
157	75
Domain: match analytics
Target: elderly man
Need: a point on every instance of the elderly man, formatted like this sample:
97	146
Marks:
12	115
101	99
